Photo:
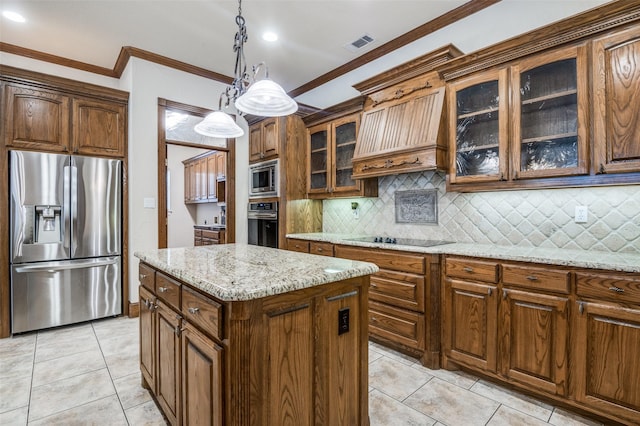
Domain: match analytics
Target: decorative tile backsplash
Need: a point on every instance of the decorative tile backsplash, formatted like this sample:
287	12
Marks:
532	218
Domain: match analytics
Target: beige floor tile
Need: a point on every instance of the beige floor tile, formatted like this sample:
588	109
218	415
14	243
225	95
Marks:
123	344
145	414
373	355
561	417
14	393
506	416
458	377
67	366
112	327
59	343
17	417
514	400
394	378
62	395
105	411
451	404
18	345
385	411
130	390
16	366
65	333
405	359
121	365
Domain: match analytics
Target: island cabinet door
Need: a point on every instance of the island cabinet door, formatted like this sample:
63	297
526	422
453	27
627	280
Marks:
340	351
289	365
147	338
201	379
168	358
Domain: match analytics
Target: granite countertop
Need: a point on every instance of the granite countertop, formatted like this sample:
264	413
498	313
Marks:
234	272
623	262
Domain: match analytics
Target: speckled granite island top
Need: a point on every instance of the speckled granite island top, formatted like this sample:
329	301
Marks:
235	272
623	262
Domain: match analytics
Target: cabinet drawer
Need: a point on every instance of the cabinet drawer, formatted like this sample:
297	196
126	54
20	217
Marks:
399	289
548	279
400	326
478	270
323	249
214	235
615	287
147	277
204	312
298	245
168	290
396	261
197	233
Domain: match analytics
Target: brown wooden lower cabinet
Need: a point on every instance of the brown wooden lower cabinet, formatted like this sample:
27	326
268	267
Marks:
567	334
272	361
207	237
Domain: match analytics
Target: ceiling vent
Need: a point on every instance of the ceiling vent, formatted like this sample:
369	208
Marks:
358	44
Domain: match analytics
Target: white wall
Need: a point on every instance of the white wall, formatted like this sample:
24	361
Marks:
146	82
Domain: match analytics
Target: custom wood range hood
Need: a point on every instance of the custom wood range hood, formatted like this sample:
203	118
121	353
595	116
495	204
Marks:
403	127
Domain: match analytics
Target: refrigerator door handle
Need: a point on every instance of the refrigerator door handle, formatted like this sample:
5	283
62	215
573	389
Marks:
73	196
49	267
66	191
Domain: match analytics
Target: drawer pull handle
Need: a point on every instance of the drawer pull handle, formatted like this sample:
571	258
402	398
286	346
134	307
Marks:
504	294
581	307
162	289
319	249
194	310
374	285
617	289
467	269
374	319
532	278
490	291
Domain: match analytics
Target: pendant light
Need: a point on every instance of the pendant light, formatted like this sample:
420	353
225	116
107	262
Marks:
262	98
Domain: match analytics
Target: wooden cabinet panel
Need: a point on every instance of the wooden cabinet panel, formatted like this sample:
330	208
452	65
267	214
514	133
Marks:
400	289
397	325
212	178
168	357
384	259
323	249
606	359
471	327
289	368
298	245
147	337
168	290
616	87
99	128
470	269
534	340
264	139
36	119
201	176
548	279
221	165
202	379
202	311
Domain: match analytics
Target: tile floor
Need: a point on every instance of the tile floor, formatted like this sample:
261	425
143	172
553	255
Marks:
89	374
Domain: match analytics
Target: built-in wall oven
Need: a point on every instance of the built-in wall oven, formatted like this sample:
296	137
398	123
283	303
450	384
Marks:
263	224
263	179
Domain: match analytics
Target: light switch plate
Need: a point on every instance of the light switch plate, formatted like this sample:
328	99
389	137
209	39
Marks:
581	215
149	203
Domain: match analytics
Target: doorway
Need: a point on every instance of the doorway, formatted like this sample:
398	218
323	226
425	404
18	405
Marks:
178	141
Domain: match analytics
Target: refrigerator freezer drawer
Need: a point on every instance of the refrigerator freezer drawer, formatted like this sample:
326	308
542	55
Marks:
50	294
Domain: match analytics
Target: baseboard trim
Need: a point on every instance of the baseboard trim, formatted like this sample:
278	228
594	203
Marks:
134	310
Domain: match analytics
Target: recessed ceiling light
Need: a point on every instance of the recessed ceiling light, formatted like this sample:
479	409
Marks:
13	16
270	36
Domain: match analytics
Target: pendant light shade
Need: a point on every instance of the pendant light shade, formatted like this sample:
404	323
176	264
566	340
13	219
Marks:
219	125
267	99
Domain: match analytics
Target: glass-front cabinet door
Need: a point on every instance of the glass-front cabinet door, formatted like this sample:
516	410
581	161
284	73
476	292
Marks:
479	123
549	106
318	159
344	133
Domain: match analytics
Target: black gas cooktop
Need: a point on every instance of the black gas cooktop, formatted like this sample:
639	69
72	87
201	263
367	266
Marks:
401	241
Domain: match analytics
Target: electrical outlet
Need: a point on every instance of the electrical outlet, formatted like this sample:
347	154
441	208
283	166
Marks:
581	215
343	321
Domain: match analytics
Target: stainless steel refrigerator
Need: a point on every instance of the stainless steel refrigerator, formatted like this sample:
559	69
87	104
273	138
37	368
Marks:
65	221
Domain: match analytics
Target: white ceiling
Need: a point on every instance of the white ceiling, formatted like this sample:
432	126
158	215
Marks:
312	33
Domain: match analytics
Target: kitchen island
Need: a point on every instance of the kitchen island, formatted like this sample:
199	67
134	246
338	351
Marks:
238	334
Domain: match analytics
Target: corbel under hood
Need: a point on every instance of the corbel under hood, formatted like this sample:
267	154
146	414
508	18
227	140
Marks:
403	127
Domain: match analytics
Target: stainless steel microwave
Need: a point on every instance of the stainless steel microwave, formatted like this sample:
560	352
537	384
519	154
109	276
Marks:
263	179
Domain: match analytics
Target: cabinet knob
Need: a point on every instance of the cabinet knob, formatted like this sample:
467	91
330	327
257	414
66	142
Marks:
504	294
616	289
532	278
162	289
141	277
468	269
581	307
194	311
374	285
319	249
490	291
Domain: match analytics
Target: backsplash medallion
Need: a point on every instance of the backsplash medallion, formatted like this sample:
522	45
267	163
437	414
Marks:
532	218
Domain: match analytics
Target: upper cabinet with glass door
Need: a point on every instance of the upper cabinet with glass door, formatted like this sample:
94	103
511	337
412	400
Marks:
478	128
549	134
